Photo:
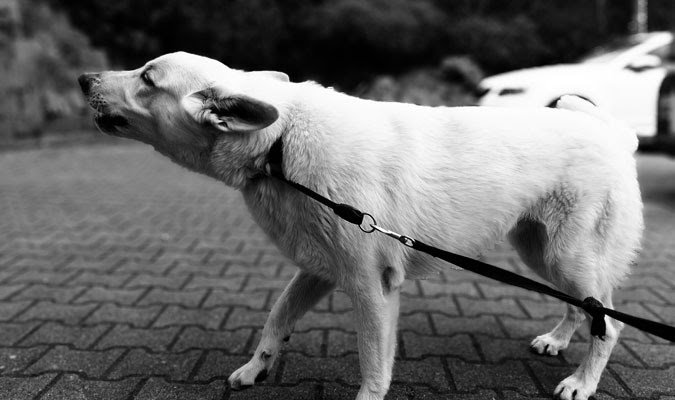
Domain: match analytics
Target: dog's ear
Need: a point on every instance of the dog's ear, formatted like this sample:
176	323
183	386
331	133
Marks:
280	76
229	113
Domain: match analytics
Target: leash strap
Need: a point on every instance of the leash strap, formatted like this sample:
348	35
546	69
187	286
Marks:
591	305
275	169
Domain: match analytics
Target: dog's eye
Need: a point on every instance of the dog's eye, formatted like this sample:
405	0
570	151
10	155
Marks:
146	79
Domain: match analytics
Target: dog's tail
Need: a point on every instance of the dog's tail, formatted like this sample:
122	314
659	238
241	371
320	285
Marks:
624	133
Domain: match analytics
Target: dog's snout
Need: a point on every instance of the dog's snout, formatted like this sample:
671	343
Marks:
86	82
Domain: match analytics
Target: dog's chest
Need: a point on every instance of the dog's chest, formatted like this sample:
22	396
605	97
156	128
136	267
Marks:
300	229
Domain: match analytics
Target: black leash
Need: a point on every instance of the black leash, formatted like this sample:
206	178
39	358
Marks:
591	305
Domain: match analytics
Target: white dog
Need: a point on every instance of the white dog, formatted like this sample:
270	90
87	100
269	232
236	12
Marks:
559	183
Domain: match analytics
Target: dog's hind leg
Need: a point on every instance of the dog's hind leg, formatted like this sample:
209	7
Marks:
584	381
529	238
303	292
376	307
585	250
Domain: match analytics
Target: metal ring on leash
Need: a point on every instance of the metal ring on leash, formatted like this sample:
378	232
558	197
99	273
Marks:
372	224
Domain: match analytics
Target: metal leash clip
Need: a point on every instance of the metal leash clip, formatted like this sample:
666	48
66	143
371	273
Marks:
407	241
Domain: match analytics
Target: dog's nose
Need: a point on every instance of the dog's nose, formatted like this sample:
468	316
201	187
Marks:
86	80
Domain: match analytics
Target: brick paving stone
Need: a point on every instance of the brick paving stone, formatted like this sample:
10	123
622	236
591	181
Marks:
98	279
644	295
411	288
576	351
257	283
89	264
45	277
16	359
321	306
499	290
417	322
510	374
71	386
528	329
336	391
243	318
200	282
512	395
43	292
543	309
219	297
100	294
140	362
265	271
431	289
550	376
171	282
80	337
125	336
143	266
160	389
406	391
11	333
486	324
303	391
8	290
655	355
416	304
496	351
664	313
10	309
665	294
98	231
637	281
341	343
309	343
5	275
475	307
232	342
136	316
647	382
460	346
187	298
298	368
428	371
313	320
207	319
65	313
340	302
184	268
24	388
217	364
90	363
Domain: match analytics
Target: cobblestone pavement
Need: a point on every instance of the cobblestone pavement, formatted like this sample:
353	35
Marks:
123	276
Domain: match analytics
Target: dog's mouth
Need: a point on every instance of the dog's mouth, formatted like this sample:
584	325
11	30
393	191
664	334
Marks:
109	123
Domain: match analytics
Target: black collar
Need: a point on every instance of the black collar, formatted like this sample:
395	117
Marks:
275	159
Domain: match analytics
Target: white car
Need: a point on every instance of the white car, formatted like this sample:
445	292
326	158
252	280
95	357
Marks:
624	77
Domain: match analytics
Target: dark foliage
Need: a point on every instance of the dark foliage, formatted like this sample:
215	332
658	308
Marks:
345	42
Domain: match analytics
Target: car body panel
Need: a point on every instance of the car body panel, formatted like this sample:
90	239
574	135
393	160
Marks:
610	79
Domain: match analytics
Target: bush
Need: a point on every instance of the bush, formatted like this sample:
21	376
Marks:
43	55
463	71
453	83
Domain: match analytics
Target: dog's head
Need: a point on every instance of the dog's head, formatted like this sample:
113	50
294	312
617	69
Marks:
181	103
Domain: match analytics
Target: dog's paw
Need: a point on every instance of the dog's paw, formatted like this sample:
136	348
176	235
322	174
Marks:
573	388
249	374
548	345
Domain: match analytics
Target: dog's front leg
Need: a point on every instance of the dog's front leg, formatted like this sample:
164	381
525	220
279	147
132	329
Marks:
303	292
376	306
